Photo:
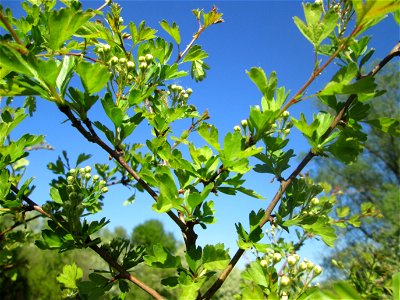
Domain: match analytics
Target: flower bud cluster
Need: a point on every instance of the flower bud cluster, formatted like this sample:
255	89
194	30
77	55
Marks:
297	271
145	61
179	94
271	258
81	183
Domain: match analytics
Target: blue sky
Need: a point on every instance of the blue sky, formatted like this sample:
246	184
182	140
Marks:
255	33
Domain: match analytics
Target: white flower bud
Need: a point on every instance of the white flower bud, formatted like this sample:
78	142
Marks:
70	179
130	65
317	270
123	60
141	58
72	171
106	47
315	201
303	266
114	60
143	65
285	114
244	123
291	260
236	128
87	176
88	169
277	257
285	280
148	57
264	263
104	190
189	91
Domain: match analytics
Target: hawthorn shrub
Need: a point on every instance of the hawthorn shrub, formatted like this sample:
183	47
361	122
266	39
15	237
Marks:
76	58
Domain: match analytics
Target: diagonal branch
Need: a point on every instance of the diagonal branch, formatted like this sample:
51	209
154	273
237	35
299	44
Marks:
101	252
286	183
92	136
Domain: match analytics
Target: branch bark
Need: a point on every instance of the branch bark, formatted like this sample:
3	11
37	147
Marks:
103	254
286	183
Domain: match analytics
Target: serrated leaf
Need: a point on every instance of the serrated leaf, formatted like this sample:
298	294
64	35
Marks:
215	257
162	258
210	134
70	276
143	33
94	76
371	11
343	212
197	70
81	158
62	24
195	53
387	125
172	30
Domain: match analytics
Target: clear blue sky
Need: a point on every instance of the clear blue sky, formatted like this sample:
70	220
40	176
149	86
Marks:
255	33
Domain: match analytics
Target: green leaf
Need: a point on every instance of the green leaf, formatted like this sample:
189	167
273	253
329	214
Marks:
387	125
70	276
319	25
143	33
81	158
343	211
339	290
396	285
195	53
168	197
370	11
51	240
12	60
162	258
94	76
255	273
197	70
173	30
194	199
324	230
49	70
210	134
62	24
215	257
65	73
253	292
266	86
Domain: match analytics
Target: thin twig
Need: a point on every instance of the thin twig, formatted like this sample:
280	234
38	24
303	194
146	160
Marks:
285	183
16	224
318	71
92	136
23	50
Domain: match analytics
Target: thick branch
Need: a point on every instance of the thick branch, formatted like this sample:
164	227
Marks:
91	136
285	184
99	251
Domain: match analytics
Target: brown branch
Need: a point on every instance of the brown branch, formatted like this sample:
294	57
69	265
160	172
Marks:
103	254
3	19
92	136
16	224
318	71
123	273
285	183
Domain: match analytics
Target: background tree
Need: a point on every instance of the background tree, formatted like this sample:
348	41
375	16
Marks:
368	254
152	232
